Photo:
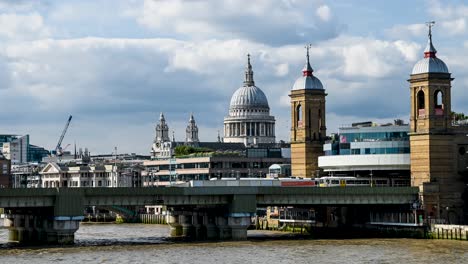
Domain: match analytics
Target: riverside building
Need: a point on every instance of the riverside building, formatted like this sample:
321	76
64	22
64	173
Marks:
369	150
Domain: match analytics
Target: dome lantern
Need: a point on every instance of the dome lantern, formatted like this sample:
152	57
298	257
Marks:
430	63
307	80
249	81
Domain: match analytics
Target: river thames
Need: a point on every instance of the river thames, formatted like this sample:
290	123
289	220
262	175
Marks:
139	243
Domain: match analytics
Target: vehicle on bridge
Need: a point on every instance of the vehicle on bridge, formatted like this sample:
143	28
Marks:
328	181
347	181
271	182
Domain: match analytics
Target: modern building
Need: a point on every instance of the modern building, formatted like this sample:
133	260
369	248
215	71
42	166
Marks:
253	163
5	172
15	148
308	130
249	120
18	149
36	153
369	150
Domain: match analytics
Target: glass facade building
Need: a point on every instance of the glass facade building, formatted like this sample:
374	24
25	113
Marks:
369	150
368	140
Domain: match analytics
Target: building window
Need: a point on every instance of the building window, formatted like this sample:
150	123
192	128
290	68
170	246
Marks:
299	115
438	103
421	103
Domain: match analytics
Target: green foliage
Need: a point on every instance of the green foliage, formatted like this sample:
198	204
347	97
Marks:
188	150
459	116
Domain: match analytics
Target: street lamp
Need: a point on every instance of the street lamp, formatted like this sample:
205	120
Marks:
447	214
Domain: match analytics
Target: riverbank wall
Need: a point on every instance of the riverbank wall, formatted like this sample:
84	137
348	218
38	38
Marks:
151	219
455	232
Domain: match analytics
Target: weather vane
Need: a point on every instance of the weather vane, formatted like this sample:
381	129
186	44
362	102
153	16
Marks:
430	24
308	46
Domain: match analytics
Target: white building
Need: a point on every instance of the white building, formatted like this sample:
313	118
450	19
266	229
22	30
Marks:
249	120
109	175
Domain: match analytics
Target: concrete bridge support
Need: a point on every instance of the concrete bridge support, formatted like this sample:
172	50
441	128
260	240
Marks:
174	224
199	229
223	227
39	229
238	225
209	223
186	221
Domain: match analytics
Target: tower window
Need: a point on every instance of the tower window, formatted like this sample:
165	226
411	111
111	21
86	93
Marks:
438	103
421	103
299	115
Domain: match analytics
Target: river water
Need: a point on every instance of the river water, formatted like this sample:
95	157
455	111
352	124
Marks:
139	243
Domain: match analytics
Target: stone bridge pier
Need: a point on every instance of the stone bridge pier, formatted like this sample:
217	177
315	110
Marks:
214	223
35	226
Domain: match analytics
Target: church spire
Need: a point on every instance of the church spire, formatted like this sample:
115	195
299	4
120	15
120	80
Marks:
249	81
307	71
191	132
430	51
162	130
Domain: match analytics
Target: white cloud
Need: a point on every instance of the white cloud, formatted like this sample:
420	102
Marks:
274	22
454	27
405	31
452	17
324	12
282	69
446	10
22	26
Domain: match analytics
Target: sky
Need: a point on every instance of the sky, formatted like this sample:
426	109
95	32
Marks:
115	65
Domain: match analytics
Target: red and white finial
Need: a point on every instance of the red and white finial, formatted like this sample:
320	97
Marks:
307	71
430	51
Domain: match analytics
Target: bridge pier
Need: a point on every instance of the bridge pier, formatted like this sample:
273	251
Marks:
238	225
209	222
199	229
223	227
38	229
174	224
188	230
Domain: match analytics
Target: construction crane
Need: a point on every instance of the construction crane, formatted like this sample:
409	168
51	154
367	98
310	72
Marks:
58	148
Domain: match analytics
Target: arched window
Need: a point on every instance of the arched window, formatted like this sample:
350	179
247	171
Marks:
438	103
421	104
299	115
319	126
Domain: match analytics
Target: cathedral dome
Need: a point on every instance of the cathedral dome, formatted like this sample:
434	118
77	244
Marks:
307	80
249	96
249	120
430	63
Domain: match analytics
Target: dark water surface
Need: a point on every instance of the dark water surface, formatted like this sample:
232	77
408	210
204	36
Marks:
137	243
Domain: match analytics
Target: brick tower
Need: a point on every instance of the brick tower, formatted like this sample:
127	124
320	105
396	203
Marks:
433	139
308	130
